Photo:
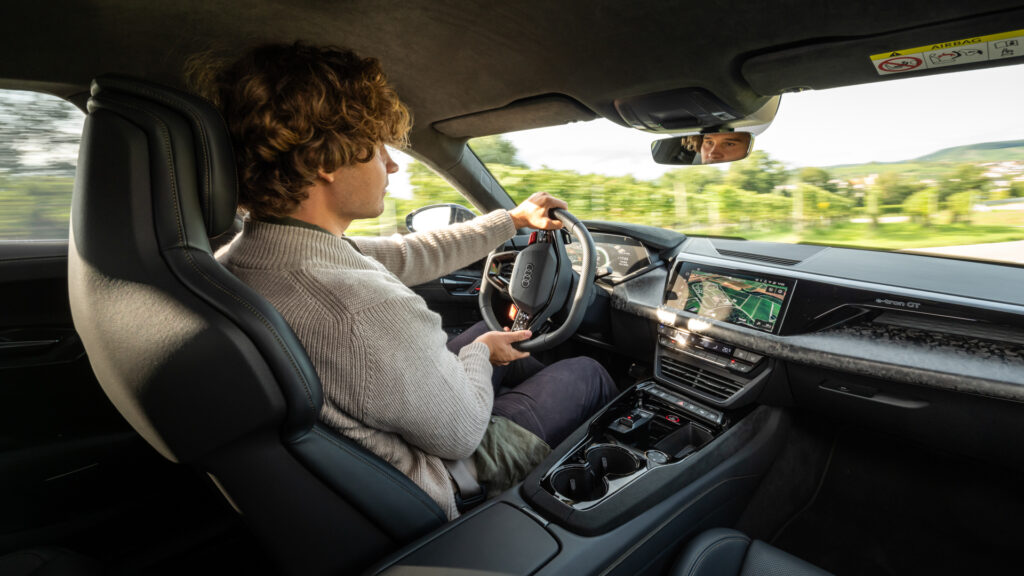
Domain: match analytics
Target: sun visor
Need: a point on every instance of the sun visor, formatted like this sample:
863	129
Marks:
537	112
980	42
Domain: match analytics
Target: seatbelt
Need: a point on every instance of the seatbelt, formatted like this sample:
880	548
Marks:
468	492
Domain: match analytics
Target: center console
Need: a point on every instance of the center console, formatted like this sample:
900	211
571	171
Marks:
649	427
671	455
712	370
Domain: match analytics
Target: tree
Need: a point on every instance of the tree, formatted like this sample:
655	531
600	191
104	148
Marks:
757	173
38	154
1017	189
894	187
819	205
817	177
965	177
960	205
694	178
871	204
921	206
40	134
687	188
496	150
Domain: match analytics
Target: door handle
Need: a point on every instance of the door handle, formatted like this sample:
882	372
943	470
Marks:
461	285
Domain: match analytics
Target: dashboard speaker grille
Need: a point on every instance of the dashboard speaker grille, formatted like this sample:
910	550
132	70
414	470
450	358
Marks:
761	257
707	383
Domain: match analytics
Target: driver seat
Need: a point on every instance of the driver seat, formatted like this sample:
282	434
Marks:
199	364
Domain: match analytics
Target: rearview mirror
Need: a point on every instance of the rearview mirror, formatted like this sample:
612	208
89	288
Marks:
712	148
437	216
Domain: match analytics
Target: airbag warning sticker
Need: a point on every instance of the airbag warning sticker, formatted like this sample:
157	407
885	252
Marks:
956	52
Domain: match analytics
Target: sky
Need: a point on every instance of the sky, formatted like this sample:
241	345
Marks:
884	121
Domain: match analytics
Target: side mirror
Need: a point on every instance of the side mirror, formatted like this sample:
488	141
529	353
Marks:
711	148
437	216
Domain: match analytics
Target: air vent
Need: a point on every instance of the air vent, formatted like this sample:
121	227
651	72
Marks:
710	384
760	257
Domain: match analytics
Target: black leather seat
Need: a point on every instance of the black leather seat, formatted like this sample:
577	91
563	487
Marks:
725	552
200	365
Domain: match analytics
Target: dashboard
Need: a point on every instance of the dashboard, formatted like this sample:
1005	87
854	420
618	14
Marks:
920	346
713	304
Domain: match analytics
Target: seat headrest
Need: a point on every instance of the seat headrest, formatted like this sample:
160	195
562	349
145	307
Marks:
216	176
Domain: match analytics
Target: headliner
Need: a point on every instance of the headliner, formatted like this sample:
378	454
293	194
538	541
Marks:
451	58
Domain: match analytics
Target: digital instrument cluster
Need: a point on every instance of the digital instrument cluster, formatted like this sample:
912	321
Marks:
621	255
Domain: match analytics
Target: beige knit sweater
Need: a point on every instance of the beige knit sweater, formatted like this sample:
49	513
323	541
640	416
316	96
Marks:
389	382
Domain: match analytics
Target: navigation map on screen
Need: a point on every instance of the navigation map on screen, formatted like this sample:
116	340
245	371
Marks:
753	302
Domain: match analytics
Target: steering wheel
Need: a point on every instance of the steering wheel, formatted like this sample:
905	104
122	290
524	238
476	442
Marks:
539	287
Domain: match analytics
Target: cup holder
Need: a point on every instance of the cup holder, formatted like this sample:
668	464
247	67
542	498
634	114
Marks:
588	482
578	483
612	460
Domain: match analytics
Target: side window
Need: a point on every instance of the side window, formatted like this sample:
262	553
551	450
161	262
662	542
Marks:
39	136
414	186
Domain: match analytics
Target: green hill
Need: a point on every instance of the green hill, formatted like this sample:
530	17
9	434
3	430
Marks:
937	164
983	152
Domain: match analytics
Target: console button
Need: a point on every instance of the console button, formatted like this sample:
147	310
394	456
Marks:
740	366
656	457
747	356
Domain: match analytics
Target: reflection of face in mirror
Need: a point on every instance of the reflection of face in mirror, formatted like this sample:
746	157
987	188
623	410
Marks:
697	149
724	147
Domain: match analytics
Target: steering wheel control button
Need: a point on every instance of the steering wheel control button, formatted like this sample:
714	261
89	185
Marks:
521	322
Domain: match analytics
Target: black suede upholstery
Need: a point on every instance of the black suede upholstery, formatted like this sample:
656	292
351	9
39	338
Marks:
725	552
201	366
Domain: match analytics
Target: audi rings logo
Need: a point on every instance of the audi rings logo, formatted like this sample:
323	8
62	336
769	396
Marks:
528	275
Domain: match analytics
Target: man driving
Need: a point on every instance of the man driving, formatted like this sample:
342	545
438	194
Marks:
310	128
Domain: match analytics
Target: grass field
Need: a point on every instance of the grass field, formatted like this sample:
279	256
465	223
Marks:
984	228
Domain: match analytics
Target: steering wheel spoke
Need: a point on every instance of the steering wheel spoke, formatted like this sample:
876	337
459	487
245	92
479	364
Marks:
498	271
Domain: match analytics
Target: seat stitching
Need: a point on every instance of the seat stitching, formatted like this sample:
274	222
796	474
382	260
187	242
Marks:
182	103
191	260
709	549
370	463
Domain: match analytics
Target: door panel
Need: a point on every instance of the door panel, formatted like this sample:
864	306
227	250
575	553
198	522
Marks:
72	472
454	296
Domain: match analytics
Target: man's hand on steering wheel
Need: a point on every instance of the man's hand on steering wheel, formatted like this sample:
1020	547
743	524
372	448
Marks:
535	212
542	283
500	342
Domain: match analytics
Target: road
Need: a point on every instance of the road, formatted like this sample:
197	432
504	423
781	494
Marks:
1002	251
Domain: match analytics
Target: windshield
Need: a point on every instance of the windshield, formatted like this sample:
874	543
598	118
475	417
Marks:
932	164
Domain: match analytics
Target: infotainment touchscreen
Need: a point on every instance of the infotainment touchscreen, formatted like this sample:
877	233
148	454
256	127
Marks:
744	299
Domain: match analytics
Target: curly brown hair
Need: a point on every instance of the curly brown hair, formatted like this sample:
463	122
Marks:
294	109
